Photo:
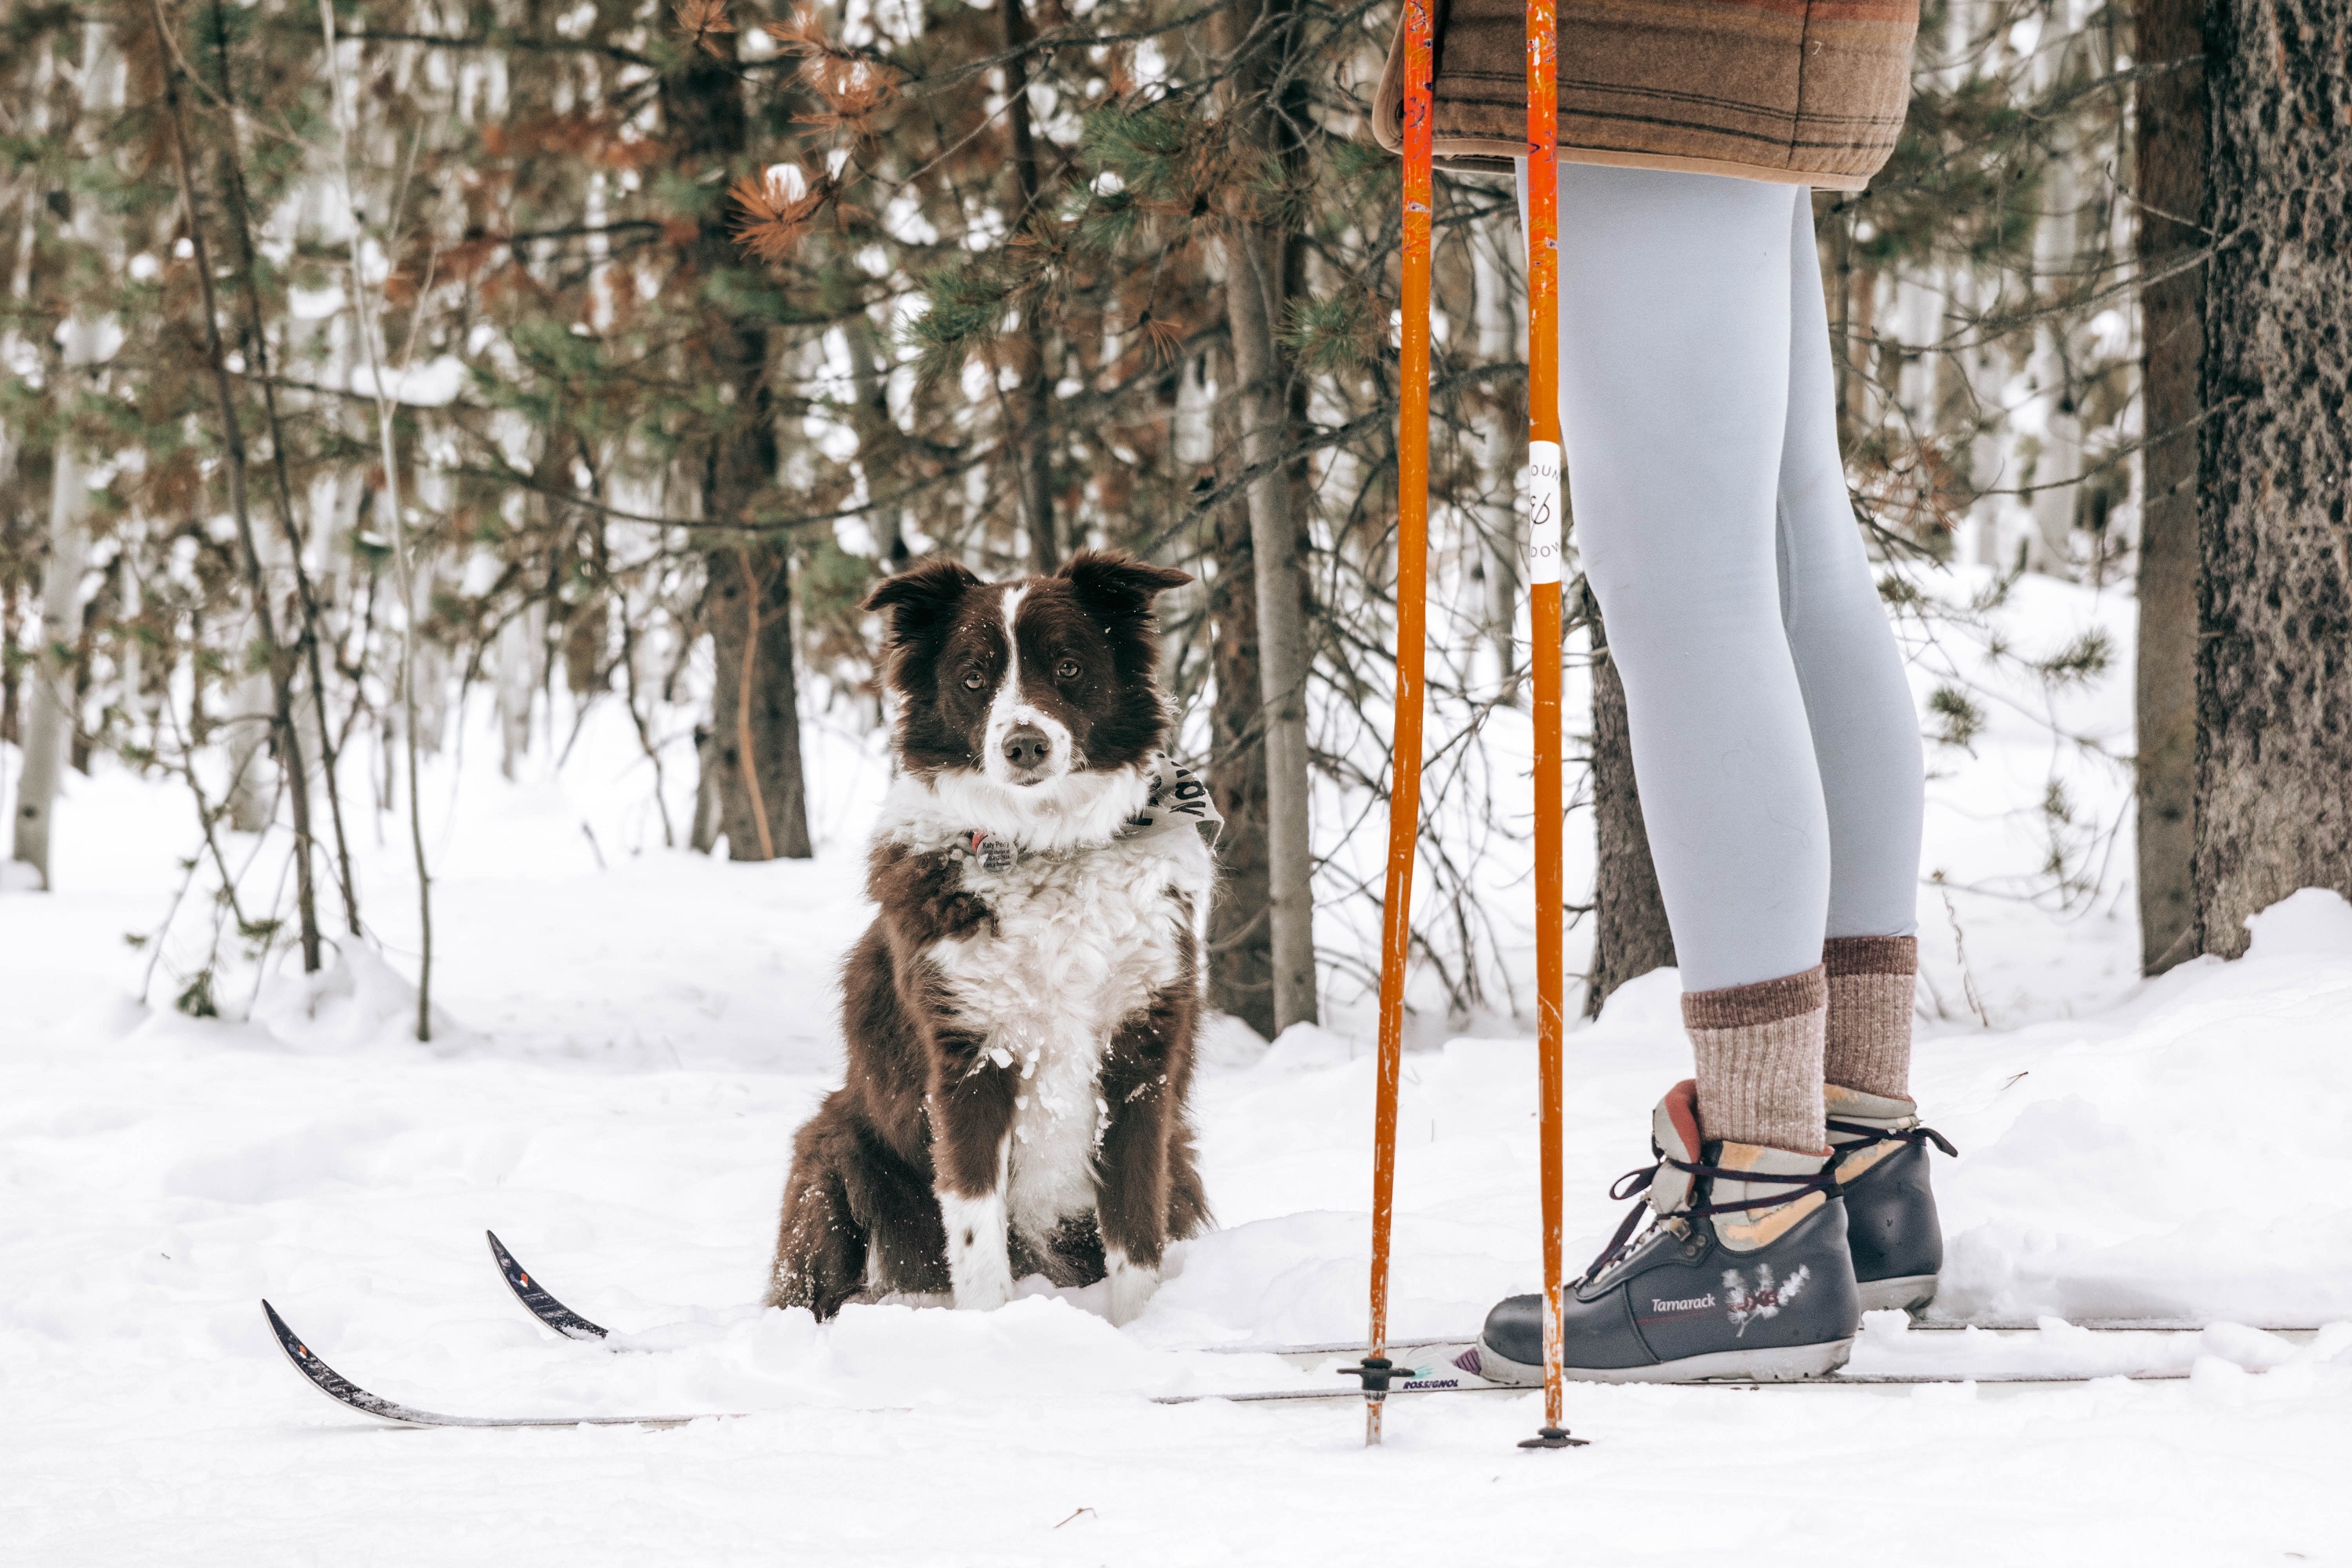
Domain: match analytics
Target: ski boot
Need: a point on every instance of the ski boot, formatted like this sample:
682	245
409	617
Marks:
1743	1273
1881	1166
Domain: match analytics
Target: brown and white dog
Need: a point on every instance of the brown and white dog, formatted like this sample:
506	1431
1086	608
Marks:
1019	1015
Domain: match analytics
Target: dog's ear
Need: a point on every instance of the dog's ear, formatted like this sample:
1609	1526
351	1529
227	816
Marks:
1116	582
919	597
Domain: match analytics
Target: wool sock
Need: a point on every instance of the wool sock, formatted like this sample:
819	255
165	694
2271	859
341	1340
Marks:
1870	984
1759	1060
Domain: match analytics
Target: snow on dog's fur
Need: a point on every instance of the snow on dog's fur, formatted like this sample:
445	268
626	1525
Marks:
1020	1037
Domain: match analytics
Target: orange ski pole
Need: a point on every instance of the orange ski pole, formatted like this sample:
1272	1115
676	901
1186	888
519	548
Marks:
1544	508
1404	791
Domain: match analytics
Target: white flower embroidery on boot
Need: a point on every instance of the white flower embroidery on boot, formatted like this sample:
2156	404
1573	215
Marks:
1766	1300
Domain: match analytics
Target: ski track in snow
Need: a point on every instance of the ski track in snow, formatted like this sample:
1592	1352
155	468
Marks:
626	1052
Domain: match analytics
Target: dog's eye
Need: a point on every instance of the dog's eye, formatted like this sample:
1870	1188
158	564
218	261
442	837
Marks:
1067	670
972	682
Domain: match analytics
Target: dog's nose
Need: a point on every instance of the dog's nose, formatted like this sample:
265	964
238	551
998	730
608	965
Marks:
1026	746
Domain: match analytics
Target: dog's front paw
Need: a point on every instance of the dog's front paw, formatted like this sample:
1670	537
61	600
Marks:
979	1269
983	1290
1132	1285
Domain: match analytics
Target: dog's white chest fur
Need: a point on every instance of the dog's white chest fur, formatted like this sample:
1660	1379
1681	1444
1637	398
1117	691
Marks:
1087	928
1081	942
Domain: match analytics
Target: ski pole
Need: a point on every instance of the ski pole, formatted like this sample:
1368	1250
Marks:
1543	615
1404	790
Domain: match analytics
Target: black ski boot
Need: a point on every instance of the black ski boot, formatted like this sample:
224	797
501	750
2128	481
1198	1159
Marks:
1742	1275
1880	1165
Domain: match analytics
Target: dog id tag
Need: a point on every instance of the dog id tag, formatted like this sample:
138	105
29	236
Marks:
994	853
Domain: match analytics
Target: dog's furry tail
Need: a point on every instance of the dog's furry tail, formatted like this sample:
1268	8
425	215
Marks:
1188	1200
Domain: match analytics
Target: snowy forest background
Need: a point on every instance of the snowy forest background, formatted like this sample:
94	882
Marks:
580	368
443	447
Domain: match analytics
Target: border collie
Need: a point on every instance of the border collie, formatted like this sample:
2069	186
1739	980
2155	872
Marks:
1019	1015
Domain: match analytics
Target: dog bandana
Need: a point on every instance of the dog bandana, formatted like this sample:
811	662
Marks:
1178	799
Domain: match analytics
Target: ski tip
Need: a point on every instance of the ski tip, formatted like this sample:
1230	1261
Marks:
305	1360
536	1299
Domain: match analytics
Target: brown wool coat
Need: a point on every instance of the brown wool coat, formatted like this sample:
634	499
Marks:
1807	92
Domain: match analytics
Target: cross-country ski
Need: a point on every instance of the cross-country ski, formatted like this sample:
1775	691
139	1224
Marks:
350	1396
1430	1366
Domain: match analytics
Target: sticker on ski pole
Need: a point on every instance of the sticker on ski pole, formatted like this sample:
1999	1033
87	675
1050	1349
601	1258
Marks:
1543	511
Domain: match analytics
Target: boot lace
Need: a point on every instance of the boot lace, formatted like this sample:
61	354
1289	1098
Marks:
1637	1182
1862	1135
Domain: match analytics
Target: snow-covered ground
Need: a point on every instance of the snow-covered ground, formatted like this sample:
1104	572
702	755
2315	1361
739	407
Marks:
632	1034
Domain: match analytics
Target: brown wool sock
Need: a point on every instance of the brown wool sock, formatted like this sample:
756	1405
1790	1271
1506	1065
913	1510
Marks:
1759	1060
1870	982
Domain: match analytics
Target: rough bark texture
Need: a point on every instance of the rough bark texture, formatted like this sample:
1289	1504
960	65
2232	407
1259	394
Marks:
1630	935
2275	666
1241	940
756	744
2170	114
1255	264
748	603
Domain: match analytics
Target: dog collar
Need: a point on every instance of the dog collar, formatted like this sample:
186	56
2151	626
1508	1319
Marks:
1178	799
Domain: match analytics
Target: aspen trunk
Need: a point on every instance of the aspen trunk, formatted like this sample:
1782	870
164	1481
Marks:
14	521
2170	116
1503	447
50	717
2273	808
2058	467
1241	938
51	721
1031	401
1253	253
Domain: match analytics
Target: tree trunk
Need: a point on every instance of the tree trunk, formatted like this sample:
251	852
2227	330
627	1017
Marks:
521	663
2058	464
1630	935
708	795
755	718
878	446
747	604
49	726
1241	938
1253	253
1503	448
2169	114
49	722
1032	404
2274	806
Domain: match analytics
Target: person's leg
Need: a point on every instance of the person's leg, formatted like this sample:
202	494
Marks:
1865	731
1675	334
1867	736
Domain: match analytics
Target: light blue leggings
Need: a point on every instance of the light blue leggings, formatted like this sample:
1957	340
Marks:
1773	732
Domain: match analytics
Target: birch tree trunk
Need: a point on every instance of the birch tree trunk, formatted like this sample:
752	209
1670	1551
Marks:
13	510
2273	808
50	715
49	721
1252	254
2170	116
